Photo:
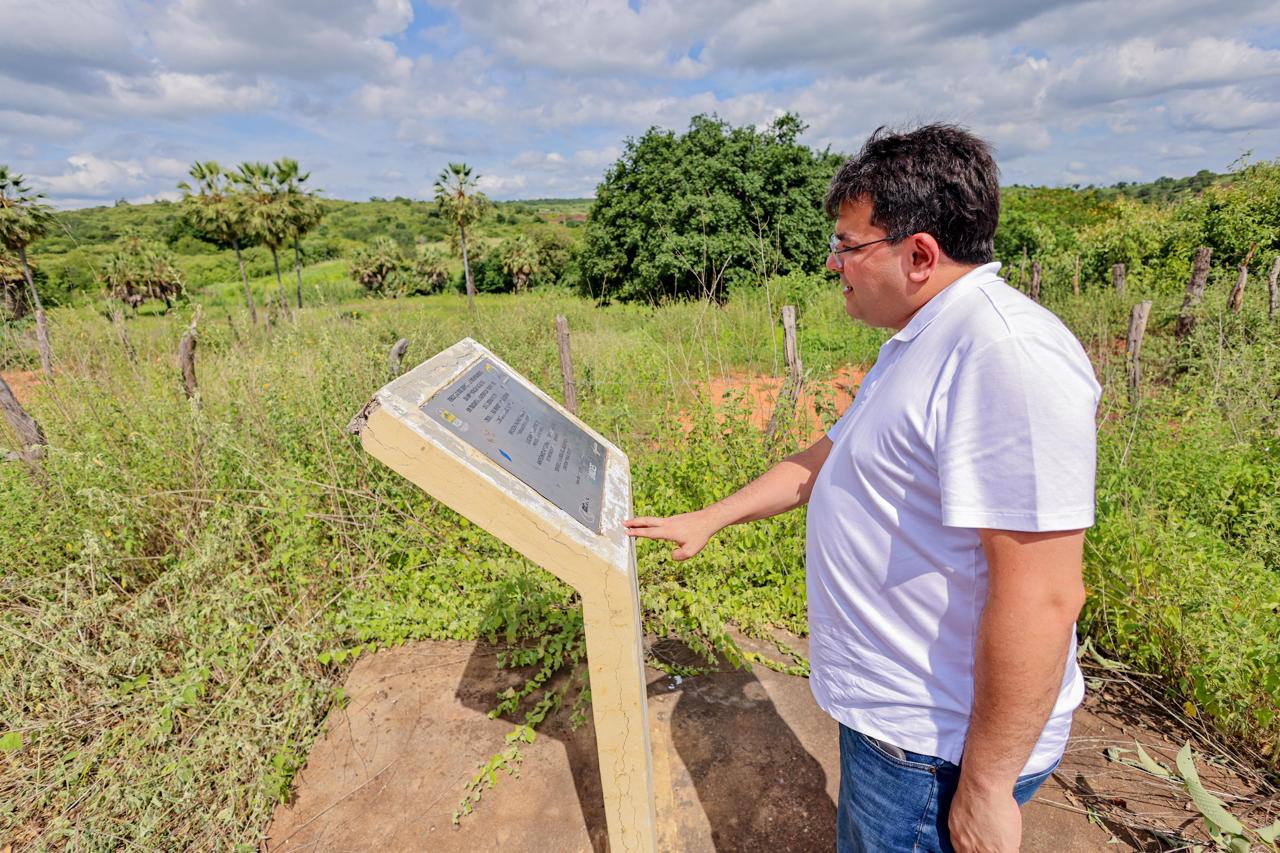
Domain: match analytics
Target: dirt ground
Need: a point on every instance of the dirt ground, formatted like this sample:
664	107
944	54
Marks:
761	392
21	382
742	761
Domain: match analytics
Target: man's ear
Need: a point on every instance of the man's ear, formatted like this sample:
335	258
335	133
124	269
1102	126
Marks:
925	256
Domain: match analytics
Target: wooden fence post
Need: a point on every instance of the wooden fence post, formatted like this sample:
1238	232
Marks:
1137	328
1035	281
1195	291
31	438
117	322
396	356
1273	300
187	357
1237	292
1117	278
789	394
566	365
1075	279
1022	270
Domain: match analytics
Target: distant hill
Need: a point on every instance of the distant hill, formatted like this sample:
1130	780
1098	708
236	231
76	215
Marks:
1167	189
402	219
68	258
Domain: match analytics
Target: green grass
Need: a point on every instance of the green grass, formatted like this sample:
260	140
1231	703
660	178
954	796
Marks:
184	585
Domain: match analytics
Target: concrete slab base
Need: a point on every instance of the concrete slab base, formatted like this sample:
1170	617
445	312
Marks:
742	761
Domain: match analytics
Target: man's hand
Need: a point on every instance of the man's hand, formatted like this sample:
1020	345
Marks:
979	823
690	531
783	487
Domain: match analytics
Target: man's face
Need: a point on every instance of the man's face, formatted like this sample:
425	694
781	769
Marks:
876	288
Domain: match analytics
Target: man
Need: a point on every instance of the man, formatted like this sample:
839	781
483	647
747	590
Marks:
947	510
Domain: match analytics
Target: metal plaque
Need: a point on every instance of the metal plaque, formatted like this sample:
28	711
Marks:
495	413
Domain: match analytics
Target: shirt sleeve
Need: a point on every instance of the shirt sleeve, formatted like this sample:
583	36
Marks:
1016	439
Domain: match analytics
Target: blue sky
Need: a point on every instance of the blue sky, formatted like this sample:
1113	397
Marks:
108	99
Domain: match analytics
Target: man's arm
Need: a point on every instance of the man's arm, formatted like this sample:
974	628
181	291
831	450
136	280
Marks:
1034	594
783	487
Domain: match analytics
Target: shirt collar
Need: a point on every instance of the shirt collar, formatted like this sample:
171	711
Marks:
931	309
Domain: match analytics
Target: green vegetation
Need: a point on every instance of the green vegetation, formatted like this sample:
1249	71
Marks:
217	215
70	258
138	272
706	212
185	583
24	218
462	206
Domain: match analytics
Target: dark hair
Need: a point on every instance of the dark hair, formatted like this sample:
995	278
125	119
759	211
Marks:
939	179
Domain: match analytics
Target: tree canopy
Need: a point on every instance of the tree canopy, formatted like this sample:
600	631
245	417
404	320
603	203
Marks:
700	213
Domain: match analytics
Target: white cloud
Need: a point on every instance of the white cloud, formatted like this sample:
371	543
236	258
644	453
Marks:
293	38
1229	108
64	41
174	94
501	184
94	176
541	95
21	125
1141	68
595	36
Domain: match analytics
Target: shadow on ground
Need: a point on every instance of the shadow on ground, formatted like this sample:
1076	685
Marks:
734	763
741	761
744	779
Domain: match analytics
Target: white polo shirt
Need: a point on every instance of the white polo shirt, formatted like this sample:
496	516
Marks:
978	413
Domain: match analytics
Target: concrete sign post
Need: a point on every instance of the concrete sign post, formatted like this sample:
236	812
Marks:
478	437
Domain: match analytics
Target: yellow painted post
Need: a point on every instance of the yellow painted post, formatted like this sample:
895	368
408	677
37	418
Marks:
475	435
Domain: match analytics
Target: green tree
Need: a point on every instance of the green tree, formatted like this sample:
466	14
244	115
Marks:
375	267
430	270
139	271
520	259
23	219
303	210
266	213
701	213
12	284
462	205
218	215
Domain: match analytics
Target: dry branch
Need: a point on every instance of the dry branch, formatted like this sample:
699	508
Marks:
1237	292
1137	329
1273	294
1195	291
566	365
789	395
30	437
187	357
396	356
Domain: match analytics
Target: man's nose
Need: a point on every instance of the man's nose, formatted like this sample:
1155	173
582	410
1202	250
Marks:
832	264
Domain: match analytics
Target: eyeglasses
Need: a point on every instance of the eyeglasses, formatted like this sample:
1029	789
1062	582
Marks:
836	251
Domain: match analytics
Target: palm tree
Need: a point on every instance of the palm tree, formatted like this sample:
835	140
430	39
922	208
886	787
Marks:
24	219
219	214
461	204
266	214
304	210
520	260
12	285
139	271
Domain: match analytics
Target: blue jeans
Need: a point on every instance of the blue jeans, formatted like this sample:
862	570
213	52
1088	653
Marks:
890	804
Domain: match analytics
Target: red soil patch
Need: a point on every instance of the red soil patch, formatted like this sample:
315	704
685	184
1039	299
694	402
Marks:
761	394
21	382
